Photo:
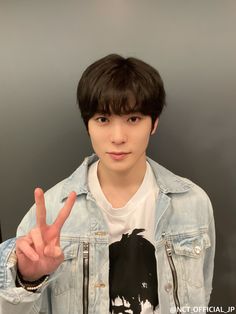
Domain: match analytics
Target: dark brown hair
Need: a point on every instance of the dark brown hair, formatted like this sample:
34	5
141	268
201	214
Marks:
120	85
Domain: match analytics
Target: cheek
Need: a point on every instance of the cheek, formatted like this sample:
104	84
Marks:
97	140
144	136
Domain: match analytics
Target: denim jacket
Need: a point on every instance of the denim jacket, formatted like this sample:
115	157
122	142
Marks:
184	242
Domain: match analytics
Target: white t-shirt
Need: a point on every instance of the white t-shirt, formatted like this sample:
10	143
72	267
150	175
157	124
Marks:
132	278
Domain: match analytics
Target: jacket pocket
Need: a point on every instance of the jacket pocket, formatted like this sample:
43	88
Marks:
190	253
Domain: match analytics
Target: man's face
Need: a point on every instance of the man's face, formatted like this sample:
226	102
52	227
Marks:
120	141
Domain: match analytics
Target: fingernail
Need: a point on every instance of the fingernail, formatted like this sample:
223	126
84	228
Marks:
38	190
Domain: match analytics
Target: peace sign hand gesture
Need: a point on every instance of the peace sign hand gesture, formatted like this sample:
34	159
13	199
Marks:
39	253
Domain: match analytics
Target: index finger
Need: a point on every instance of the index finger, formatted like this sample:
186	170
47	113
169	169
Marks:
65	211
40	207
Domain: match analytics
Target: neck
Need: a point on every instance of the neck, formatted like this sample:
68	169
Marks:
122	179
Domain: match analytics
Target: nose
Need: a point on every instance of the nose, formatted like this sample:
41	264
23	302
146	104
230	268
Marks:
118	134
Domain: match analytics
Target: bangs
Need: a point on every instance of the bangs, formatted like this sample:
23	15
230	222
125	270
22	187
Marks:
119	102
122	93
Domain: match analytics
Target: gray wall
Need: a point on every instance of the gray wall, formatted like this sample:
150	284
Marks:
45	46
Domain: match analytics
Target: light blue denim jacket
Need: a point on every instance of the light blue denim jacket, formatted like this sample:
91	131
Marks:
184	241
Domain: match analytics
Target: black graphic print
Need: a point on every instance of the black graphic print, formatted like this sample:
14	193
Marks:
133	275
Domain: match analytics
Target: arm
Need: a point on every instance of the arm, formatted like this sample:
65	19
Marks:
208	267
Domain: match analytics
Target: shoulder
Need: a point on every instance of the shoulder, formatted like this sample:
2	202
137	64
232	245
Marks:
184	193
192	208
169	182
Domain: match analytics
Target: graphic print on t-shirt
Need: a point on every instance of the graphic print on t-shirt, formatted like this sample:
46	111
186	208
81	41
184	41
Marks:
133	275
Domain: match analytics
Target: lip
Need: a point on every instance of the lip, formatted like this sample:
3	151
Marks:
118	155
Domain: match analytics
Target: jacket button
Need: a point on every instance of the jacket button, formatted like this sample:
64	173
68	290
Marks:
197	249
101	233
100	285
168	287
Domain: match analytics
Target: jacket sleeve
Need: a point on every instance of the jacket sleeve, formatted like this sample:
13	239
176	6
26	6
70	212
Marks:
208	267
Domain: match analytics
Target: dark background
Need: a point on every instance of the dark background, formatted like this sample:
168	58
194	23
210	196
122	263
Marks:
45	46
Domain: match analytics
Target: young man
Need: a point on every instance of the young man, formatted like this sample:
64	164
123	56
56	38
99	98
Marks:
122	234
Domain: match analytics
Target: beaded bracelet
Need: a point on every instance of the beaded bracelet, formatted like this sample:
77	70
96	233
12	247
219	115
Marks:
31	285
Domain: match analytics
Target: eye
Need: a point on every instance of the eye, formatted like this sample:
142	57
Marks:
134	119
102	119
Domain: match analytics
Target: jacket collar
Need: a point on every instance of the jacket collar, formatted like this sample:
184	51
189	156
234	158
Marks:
167	181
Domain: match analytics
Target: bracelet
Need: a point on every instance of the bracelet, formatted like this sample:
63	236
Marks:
31	285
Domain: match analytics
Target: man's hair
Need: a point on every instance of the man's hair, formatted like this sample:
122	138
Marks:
120	85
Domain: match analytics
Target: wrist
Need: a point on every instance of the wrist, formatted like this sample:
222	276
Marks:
30	285
29	279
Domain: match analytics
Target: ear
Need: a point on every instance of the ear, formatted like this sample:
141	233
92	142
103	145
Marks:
155	126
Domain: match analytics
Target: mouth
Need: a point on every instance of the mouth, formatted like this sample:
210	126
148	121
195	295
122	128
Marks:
118	155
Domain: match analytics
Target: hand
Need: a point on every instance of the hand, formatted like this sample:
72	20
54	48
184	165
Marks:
39	253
